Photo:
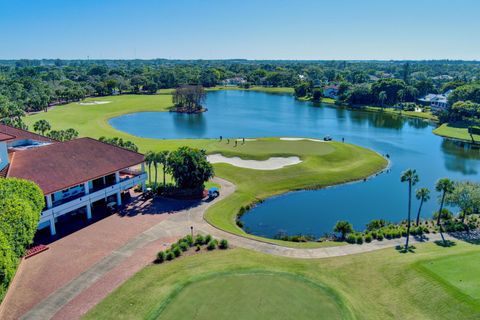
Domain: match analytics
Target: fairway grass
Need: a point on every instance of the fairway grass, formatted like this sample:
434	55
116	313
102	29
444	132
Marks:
323	164
458	273
383	284
251	295
457	131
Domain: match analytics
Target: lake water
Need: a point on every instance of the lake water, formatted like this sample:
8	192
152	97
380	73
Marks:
409	142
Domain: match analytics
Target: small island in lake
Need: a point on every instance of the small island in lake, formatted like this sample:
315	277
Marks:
188	99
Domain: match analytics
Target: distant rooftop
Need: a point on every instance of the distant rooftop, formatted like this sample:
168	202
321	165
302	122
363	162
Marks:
10	134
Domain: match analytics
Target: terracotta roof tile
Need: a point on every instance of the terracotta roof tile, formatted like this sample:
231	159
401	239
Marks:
5	137
57	166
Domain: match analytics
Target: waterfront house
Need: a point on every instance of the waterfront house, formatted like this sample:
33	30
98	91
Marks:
331	91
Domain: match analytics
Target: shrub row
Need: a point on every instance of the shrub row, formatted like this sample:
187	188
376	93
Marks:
187	242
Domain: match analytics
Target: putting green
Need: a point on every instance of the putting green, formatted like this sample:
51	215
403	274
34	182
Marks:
459	273
252	296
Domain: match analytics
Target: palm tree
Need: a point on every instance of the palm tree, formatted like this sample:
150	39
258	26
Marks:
155	161
163	160
445	186
149	160
401	96
41	126
423	194
411	177
382	96
343	227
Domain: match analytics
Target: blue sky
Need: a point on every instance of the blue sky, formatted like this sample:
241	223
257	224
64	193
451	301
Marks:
261	29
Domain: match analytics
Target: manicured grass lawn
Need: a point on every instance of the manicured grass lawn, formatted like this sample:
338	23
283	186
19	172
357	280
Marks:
423	115
384	284
459	273
282	90
256	295
323	164
455	131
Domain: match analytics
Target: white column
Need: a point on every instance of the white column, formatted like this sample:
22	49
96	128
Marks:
89	211
119	198
117	177
53	231
86	187
49	201
143	167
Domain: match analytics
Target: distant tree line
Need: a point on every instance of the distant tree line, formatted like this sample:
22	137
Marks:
34	85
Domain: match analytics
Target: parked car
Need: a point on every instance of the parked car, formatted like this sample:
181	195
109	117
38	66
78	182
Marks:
213	193
327	138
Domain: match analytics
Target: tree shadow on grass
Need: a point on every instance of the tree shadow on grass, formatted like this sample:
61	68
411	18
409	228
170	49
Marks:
401	249
445	243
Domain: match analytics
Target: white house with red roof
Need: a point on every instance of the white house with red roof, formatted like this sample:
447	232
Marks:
73	175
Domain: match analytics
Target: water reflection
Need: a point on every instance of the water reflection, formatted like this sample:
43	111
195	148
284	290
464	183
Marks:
461	156
190	124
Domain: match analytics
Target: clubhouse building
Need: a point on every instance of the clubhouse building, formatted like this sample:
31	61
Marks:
73	175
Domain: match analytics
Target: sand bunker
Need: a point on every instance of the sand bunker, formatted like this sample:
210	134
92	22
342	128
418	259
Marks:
298	139
273	163
92	103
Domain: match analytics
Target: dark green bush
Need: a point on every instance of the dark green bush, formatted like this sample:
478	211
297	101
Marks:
359	239
368	238
184	246
189	240
223	244
199	240
208	238
212	245
161	256
351	238
169	255
177	251
198	247
380	236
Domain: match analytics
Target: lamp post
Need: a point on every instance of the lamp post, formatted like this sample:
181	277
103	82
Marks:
191	230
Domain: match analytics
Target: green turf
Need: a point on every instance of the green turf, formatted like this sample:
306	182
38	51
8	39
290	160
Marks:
323	164
278	90
412	114
383	284
456	131
251	295
460	274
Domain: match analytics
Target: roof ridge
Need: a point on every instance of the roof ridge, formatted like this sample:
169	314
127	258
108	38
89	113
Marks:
122	148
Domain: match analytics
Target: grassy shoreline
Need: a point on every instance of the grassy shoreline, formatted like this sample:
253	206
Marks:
456	131
319	169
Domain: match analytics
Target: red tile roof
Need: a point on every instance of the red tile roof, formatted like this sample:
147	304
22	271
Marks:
13	134
61	165
5	137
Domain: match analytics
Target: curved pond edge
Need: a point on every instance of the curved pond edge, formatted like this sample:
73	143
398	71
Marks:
283	243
